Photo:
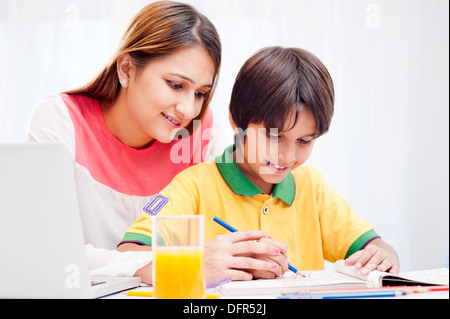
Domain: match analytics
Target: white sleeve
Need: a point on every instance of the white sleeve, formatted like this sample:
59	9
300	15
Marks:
50	122
111	263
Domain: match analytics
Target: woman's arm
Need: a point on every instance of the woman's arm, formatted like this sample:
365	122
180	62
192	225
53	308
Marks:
145	272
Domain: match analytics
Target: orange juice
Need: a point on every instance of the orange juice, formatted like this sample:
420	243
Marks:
179	273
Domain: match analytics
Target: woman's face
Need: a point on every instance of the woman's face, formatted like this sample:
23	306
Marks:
166	95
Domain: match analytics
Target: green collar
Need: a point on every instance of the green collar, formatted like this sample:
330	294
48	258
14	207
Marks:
241	185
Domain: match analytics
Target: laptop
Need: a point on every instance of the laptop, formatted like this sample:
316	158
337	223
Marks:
42	252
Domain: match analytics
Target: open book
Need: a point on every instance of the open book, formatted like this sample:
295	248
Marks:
344	277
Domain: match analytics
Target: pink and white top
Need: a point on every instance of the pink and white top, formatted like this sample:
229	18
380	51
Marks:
114	181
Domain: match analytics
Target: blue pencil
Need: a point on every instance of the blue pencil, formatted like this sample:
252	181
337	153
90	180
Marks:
344	295
225	225
233	230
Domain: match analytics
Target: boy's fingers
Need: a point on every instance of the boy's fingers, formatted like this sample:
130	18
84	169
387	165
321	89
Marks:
247	235
236	274
258	274
389	265
368	253
251	264
233	274
395	269
385	265
283	262
351	261
368	268
253	247
280	245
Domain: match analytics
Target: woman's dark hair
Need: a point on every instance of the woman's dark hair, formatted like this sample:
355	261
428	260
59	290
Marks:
277	83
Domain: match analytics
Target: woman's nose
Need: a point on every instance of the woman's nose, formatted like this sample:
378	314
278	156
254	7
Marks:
186	107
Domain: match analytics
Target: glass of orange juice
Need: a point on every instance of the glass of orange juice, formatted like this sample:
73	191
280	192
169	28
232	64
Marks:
178	257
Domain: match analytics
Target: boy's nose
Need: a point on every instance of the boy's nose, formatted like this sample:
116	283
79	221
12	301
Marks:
286	155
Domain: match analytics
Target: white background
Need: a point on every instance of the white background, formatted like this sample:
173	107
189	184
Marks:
387	152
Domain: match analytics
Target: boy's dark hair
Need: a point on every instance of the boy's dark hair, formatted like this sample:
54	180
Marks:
278	82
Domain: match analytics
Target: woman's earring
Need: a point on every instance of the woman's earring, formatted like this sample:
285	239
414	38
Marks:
123	81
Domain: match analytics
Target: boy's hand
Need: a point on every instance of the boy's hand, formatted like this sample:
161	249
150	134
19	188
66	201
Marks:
281	260
237	256
377	254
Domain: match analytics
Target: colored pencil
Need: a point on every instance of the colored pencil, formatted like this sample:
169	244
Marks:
346	295
233	230
219	282
411	289
138	293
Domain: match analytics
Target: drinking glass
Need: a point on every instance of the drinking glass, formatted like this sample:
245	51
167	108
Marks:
178	257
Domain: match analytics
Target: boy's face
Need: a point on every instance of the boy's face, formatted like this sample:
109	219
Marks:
268	156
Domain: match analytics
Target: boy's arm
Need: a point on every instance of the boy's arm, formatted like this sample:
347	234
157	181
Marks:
377	254
225	257
230	255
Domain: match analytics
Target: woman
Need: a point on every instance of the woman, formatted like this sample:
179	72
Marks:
122	128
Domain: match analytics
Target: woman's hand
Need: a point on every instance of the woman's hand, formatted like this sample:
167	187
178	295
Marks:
243	255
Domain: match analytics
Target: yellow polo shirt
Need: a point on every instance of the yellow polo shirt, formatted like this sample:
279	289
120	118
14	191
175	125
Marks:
303	211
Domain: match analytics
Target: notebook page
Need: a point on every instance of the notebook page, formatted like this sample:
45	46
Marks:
434	276
290	282
375	277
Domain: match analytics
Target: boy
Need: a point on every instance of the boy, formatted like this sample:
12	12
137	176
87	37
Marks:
282	100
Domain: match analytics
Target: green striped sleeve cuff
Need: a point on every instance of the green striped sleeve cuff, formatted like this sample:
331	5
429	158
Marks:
136	239
361	242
